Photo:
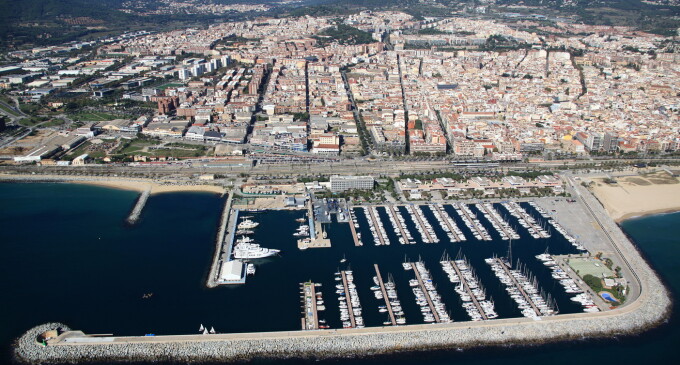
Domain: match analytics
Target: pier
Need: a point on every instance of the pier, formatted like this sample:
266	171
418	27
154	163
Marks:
376	226
310	320
445	215
357	241
384	292
422	224
530	221
463	281
491	215
397	222
426	293
518	286
348	299
137	210
220	241
475	227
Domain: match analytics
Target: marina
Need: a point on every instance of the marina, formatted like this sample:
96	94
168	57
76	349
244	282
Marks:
312	303
471	221
428	299
350	307
521	289
275	231
447	223
353	225
386	297
499	224
398	222
469	290
377	228
526	220
422	225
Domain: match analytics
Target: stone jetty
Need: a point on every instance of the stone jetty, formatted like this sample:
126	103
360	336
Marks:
650	309
139	205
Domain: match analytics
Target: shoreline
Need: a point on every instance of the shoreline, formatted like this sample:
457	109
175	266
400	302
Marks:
138	185
638	196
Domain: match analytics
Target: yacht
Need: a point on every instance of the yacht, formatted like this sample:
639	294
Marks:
247	224
246	249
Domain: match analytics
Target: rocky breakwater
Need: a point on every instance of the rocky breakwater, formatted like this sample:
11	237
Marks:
649	309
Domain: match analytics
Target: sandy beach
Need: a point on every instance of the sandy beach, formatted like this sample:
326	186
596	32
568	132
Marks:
636	196
120	183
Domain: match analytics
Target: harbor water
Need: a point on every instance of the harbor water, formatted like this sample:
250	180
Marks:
69	256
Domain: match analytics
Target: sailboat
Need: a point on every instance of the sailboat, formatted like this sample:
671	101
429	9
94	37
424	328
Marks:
212	330
201	329
205	331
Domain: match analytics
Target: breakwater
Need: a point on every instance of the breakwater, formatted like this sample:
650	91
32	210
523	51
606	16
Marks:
220	241
139	205
645	313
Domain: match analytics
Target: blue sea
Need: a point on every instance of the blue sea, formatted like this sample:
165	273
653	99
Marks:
68	256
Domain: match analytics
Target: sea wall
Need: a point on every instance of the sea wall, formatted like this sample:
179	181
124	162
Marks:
650	309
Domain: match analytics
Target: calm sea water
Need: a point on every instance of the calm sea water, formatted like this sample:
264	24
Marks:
68	256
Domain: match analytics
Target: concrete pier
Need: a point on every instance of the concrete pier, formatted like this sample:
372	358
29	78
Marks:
445	215
310	319
422	224
465	285
519	287
347	299
426	293
472	220
384	292
490	216
397	221
357	241
219	241
375	221
137	210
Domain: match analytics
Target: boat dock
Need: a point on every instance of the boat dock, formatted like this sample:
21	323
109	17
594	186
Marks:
377	226
445	215
472	221
425	230
397	222
228	222
349	305
463	282
496	223
530	220
310	319
426	293
137	210
518	286
384	292
357	241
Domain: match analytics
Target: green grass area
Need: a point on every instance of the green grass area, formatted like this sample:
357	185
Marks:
94	116
8	110
54	123
596	284
136	146
29	108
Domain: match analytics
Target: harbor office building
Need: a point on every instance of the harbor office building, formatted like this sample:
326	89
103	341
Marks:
342	183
